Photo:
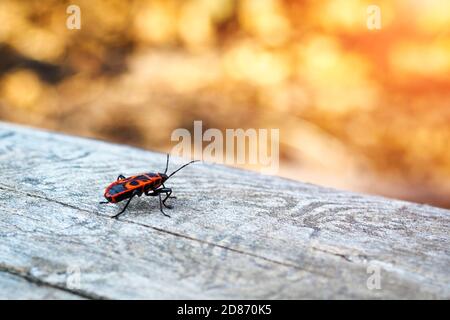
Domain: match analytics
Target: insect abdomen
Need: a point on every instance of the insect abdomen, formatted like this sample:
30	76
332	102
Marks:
123	189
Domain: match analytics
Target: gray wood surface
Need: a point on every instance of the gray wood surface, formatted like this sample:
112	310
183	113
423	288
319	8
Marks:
19	288
233	234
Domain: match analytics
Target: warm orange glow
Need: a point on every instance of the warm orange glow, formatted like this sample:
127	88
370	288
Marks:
155	22
361	109
422	59
252	63
22	89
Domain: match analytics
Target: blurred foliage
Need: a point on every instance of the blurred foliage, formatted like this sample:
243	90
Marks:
357	109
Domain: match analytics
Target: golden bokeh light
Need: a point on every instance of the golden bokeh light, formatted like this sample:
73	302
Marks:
265	20
155	22
21	89
249	61
429	59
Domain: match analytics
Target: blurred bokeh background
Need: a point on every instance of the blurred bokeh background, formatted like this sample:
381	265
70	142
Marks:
358	109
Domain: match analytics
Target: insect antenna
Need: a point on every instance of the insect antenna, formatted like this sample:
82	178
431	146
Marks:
167	164
181	168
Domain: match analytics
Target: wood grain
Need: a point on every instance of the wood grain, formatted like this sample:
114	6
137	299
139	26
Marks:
233	233
15	287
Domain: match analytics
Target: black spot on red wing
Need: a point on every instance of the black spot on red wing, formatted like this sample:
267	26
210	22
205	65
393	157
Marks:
134	183
117	188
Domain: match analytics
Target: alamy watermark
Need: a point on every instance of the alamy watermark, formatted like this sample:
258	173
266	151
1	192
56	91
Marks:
374	280
373	21
73	277
234	147
73	21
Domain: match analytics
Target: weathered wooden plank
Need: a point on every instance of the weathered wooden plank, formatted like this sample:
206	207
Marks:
294	240
17	288
119	260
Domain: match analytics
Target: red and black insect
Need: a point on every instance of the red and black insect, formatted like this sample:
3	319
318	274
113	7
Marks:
149	184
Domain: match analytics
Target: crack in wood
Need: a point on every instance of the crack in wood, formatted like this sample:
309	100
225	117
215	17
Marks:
7	135
26	275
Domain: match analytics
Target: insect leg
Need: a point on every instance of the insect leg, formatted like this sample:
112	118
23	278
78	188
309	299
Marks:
171	197
168	192
161	206
120	177
103	202
124	208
